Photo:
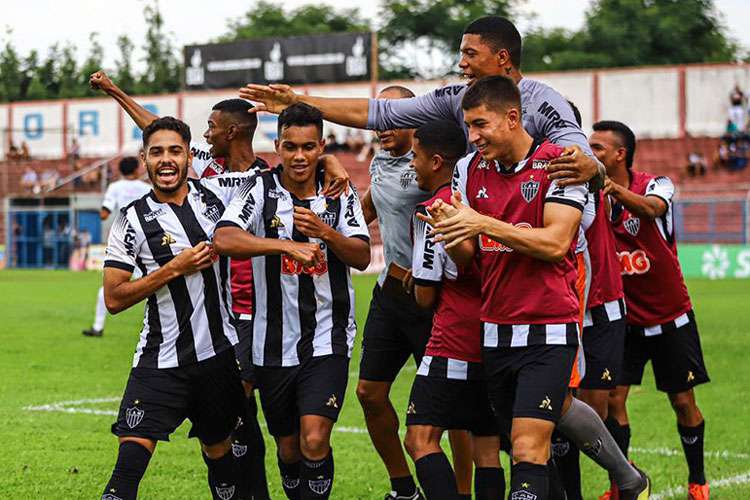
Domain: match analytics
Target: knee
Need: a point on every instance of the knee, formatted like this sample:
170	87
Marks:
371	398
314	444
683	405
529	448
413	443
218	450
288	449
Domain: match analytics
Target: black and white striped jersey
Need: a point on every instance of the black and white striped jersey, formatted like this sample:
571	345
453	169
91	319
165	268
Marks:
187	320
300	312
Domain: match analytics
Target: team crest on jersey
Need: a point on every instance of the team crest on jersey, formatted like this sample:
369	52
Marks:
407	177
523	495
212	213
632	225
133	416
225	492
151	216
328	217
529	189
319	486
239	450
539	164
482	193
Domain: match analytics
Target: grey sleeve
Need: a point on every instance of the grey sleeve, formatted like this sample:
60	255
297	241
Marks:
553	118
440	104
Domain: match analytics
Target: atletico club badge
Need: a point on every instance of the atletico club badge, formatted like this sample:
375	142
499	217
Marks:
529	189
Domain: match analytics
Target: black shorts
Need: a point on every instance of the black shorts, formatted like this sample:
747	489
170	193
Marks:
243	349
603	348
529	381
396	328
675	354
157	400
315	387
451	404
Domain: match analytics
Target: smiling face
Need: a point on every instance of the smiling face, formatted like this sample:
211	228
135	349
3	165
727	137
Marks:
299	148
423	164
167	158
492	131
608	149
478	59
216	132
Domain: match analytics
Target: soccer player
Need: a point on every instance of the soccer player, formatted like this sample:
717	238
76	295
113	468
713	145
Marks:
522	224
303	329
118	195
661	324
184	365
490	46
449	391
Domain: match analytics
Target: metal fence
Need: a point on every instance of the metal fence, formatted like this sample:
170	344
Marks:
716	219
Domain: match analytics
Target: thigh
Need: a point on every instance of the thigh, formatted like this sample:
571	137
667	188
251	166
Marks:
415	325
278	398
218	399
384	348
154	404
638	352
603	346
321	386
542	381
678	359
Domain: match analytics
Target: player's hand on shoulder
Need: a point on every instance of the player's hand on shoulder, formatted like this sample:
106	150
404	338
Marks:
100	81
308	254
336	178
192	260
572	167
310	224
273	98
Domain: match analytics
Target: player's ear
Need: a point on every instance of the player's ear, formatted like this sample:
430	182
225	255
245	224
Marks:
437	162
513	116
502	57
189	156
276	145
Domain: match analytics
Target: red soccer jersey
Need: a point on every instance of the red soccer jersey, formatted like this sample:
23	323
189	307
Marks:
534	301
606	282
655	291
241	278
456	326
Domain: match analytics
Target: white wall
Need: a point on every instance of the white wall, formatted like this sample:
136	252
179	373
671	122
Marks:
707	90
3	130
93	122
160	105
40	126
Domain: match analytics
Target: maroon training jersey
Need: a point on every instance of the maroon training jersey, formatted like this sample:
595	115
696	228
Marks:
456	326
241	270
655	291
529	301
606	282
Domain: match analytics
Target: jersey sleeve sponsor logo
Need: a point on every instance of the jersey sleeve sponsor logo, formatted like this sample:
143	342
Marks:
227	182
449	90
200	154
349	215
428	254
632	225
553	118
636	262
487	244
247	209
529	189
290	266
128	240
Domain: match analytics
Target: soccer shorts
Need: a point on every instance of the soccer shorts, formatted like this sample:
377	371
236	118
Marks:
396	329
450	403
158	400
316	386
529	381
603	345
675	354
243	349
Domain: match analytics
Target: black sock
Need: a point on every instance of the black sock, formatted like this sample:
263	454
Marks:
567	464
621	434
224	477
464	497
436	477
316	477
290	478
692	445
403	486
250	450
529	481
489	483
132	460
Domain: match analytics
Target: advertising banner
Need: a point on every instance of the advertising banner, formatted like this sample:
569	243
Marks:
715	261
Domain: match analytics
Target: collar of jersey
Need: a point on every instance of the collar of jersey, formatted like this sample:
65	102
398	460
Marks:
276	172
517	167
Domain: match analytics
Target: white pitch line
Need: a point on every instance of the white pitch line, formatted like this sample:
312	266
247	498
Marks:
671	452
719	483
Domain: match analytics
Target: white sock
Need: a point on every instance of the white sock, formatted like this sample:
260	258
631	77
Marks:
101	311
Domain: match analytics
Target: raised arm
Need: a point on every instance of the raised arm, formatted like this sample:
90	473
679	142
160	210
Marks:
654	204
140	115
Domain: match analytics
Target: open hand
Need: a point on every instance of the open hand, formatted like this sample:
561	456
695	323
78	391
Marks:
273	98
572	167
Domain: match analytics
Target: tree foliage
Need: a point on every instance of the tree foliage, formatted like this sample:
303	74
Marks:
163	69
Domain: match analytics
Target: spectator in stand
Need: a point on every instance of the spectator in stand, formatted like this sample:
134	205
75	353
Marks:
29	179
354	141
696	165
49	179
737	112
74	153
13	153
25	154
332	144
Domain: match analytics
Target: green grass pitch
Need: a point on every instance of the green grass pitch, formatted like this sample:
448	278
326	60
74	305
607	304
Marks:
66	450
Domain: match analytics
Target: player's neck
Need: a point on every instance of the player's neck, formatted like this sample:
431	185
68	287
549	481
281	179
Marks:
514	74
240	158
397	153
439	179
620	176
519	149
175	197
133	177
302	190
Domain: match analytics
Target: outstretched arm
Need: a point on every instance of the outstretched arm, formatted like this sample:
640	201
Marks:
140	115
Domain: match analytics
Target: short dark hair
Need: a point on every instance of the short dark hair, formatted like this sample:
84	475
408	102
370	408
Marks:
444	138
499	33
240	109
623	132
576	113
128	165
495	92
300	115
167	123
402	91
